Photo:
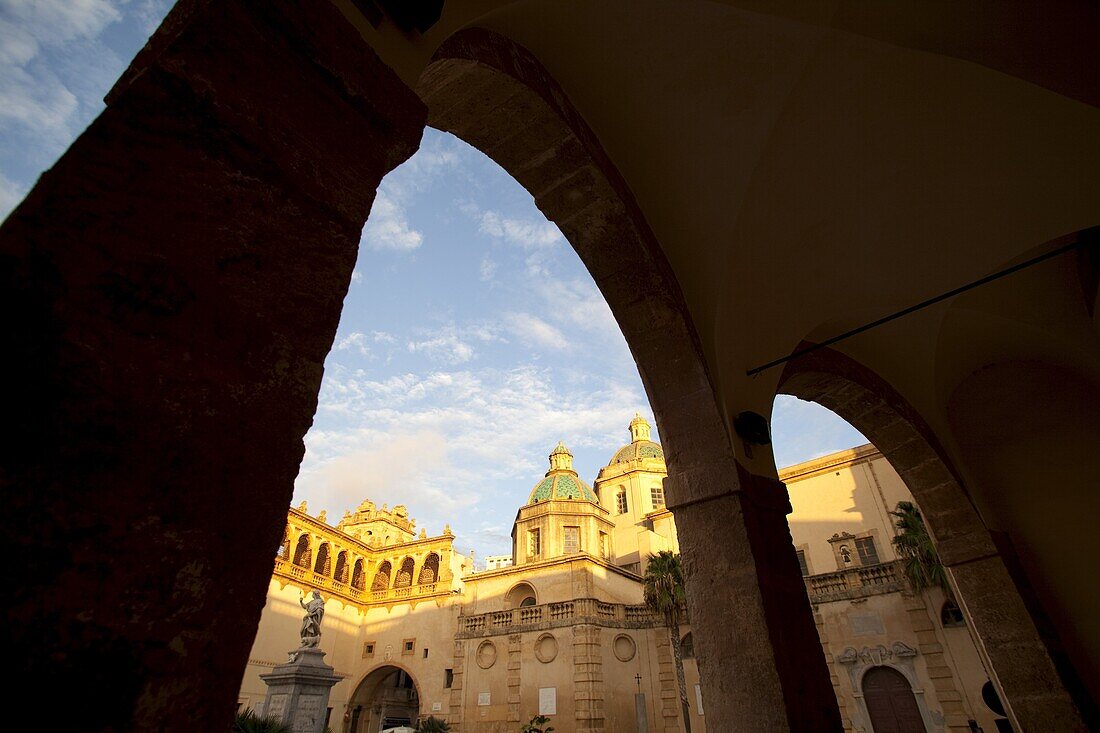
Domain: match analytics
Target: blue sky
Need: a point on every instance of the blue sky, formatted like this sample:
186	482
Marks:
472	337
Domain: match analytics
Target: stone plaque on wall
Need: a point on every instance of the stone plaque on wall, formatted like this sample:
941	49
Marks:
548	701
307	714
483	698
867	623
276	707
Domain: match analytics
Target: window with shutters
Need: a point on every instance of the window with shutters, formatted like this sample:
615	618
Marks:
620	501
868	554
572	540
534	543
657	495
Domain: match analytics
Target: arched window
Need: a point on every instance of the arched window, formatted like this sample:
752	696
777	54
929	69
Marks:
620	501
521	595
951	615
302	554
324	562
687	646
430	572
382	577
341	573
405	575
358	579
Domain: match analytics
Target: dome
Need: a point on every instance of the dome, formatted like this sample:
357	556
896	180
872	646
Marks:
640	445
561	482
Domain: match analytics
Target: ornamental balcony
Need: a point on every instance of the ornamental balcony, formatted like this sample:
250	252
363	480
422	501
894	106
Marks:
857	582
555	615
308	579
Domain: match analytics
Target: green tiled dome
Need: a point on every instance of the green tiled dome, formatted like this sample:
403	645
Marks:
637	450
562	486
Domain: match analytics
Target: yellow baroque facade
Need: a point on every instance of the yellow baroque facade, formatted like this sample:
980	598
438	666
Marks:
416	629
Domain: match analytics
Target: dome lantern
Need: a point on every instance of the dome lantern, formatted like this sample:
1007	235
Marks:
560	458
561	481
639	428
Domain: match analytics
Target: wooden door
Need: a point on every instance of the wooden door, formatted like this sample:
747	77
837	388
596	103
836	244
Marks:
890	702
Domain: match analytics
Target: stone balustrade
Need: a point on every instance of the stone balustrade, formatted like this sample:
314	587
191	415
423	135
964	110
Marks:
856	582
553	615
358	596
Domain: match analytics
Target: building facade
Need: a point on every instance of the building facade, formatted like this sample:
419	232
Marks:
560	627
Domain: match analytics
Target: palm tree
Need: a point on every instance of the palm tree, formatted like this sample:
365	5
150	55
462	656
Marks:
663	590
432	724
249	722
914	544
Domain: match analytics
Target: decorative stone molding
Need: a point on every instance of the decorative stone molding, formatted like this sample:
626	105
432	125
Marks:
486	655
899	656
624	647
546	648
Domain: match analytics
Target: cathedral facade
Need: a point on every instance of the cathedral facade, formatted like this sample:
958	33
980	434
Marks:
416	629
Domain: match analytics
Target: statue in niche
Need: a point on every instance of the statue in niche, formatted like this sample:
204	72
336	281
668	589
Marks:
311	622
845	555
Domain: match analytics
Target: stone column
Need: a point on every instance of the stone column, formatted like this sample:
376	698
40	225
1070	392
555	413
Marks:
587	679
298	691
170	289
758	651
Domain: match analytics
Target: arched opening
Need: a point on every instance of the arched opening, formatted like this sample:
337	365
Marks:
386	698
520	595
302	553
283	553
890	702
951	616
382	577
429	573
323	566
687	646
358	577
992	591
341	572
404	576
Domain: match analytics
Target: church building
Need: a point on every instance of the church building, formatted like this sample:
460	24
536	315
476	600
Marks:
560	628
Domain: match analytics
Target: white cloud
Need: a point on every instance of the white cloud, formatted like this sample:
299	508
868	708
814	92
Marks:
32	96
356	276
529	234
381	337
487	270
534	331
388	226
444	347
355	340
10	195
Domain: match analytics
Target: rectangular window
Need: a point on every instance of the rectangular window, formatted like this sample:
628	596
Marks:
368	649
620	501
605	548
409	647
802	562
425	653
868	555
572	540
448	678
534	543
657	494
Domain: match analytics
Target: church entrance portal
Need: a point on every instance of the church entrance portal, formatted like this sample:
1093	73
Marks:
386	698
890	702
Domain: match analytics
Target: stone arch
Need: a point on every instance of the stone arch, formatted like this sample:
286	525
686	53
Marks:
495	95
520	594
382	577
404	577
986	589
283	552
340	574
358	577
429	571
303	555
889	699
323	565
687	646
360	705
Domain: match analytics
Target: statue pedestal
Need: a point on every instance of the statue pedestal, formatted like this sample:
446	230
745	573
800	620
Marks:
298	691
